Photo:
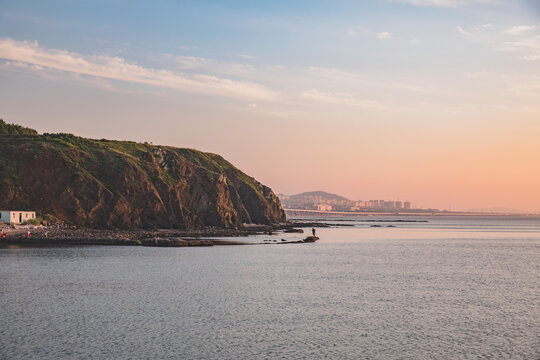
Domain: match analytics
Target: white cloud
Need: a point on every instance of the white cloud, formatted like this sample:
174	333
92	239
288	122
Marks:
384	35
467	34
192	62
444	3
414	41
527	43
522	40
246	56
351	32
116	68
531	57
462	31
528	46
478	34
521	30
339	98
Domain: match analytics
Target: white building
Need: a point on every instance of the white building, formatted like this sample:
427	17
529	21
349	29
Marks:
16	217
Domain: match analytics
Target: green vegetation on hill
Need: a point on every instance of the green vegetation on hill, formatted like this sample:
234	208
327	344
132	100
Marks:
124	184
12	129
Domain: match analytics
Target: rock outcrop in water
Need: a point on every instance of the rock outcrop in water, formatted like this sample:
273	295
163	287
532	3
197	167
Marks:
121	184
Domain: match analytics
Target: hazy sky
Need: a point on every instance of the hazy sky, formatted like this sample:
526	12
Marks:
433	101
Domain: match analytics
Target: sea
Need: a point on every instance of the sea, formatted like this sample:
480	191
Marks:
434	287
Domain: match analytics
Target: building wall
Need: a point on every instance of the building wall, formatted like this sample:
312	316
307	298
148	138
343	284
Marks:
17	217
5	217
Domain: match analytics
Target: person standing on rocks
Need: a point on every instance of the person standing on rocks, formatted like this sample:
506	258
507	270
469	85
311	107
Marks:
313	231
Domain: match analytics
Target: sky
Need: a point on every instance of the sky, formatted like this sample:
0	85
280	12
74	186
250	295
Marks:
432	101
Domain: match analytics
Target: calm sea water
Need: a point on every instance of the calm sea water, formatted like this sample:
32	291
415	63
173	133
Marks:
450	288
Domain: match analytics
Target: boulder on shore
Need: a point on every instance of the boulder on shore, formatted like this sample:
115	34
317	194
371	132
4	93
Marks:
293	230
311	239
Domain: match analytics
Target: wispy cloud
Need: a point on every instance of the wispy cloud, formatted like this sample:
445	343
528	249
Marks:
384	35
191	62
365	80
340	98
246	56
116	68
480	33
531	57
444	3
224	68
521	29
527	46
528	43
523	40
463	31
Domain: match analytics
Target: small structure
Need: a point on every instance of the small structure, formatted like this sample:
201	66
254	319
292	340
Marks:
16	217
324	207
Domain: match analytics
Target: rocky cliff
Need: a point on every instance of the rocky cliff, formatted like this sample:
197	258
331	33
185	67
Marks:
120	184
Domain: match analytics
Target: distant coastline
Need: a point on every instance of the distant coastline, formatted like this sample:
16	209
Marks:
318	213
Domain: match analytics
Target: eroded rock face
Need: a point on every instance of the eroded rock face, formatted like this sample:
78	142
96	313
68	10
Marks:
113	184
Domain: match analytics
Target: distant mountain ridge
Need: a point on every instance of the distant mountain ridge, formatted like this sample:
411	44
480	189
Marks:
323	195
124	184
311	200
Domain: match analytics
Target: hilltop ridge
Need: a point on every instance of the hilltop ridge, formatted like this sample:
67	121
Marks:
317	194
310	199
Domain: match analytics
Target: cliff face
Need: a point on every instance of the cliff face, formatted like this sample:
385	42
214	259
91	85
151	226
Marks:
119	184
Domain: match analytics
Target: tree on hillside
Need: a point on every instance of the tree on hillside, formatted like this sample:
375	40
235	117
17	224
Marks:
13	129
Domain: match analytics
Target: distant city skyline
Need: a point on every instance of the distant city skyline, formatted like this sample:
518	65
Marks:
433	101
359	203
323	201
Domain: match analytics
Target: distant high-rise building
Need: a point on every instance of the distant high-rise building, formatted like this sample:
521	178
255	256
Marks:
324	207
389	204
381	204
357	205
407	205
398	205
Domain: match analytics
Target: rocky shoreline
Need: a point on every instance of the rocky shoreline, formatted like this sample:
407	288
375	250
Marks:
58	235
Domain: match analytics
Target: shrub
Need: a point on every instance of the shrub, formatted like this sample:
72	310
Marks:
36	221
